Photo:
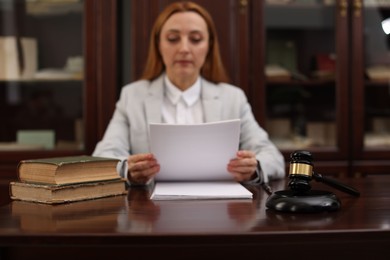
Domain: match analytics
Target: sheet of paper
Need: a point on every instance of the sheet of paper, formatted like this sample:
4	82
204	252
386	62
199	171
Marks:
196	152
200	190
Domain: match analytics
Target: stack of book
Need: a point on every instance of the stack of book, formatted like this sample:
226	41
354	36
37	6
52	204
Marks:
66	179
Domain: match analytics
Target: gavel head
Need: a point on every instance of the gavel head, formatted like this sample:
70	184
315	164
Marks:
301	171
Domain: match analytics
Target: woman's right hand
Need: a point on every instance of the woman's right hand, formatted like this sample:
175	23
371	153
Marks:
142	168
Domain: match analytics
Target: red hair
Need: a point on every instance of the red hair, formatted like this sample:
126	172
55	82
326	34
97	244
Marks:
213	68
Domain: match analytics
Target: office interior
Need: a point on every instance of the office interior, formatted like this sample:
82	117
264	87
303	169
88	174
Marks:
316	73
317	77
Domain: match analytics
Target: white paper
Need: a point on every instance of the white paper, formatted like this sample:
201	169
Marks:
198	152
200	190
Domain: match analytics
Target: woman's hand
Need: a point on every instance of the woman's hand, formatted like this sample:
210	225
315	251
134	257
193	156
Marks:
243	167
142	168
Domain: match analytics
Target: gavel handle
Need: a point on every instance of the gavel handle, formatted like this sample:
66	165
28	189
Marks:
335	184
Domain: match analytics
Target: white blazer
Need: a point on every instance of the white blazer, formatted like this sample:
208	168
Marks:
140	103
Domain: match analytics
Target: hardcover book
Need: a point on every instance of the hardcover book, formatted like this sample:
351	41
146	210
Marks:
56	194
67	170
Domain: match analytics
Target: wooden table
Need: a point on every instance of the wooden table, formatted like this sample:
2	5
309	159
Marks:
134	226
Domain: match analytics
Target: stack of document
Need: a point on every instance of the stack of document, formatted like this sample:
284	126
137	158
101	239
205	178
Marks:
193	160
200	190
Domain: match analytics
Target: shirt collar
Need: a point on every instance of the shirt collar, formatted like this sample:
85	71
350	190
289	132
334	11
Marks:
190	96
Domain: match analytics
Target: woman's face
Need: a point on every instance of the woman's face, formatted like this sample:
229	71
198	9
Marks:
184	44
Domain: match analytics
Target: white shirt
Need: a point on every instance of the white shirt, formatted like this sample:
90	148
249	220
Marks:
182	107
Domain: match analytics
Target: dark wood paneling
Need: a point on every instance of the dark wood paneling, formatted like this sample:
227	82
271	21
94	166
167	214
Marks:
102	76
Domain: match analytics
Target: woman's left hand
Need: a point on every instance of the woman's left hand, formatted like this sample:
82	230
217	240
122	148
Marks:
243	167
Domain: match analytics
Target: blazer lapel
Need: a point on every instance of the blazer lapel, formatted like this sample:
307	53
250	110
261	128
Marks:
212	104
153	103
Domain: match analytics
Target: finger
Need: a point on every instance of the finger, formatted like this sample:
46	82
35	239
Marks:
143	176
241	172
140	157
242	169
245	154
246	162
142	165
240	177
141	161
150	172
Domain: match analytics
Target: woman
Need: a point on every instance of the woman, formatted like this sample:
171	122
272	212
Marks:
183	82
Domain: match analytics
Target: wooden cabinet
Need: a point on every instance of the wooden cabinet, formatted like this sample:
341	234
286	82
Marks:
63	102
328	101
370	82
303	65
307	80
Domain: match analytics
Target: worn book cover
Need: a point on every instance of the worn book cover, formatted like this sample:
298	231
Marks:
67	170
56	194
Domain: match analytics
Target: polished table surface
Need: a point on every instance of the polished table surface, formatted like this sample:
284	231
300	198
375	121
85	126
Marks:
134	224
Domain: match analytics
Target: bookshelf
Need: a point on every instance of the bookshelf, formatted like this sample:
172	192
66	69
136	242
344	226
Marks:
70	91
